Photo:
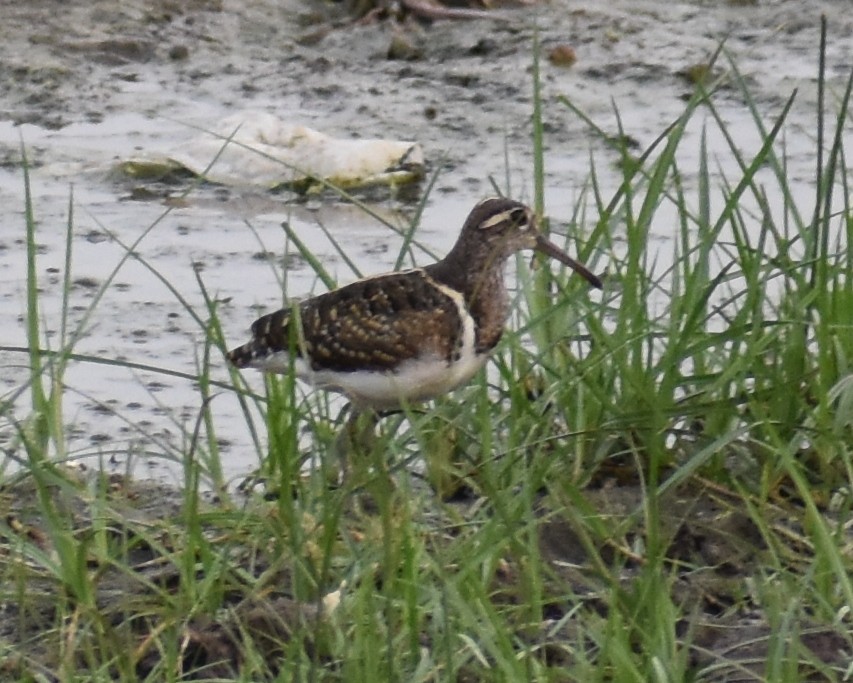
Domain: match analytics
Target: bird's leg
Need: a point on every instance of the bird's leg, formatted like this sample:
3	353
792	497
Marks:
364	466
356	439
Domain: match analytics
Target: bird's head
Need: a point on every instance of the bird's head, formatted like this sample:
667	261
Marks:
497	227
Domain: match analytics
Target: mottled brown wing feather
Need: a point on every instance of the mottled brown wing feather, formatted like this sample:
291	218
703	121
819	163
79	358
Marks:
377	323
270	334
373	324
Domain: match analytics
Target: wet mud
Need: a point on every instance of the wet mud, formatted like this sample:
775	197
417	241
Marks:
98	82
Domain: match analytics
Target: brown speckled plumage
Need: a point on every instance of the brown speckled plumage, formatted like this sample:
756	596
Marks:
369	325
407	335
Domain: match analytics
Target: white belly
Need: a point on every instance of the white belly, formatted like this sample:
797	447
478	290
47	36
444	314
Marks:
415	380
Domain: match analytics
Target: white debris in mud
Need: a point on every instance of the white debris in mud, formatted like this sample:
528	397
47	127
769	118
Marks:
259	149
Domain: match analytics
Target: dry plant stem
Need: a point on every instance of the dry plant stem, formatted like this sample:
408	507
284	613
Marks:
427	9
432	10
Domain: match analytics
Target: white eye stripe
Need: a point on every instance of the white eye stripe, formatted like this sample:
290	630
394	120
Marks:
510	216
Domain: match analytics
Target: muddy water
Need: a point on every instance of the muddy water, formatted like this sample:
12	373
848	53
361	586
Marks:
101	81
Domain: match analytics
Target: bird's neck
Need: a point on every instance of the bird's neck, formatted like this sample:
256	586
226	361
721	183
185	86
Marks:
481	283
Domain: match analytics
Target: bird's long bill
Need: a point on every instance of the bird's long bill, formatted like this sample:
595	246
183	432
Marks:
547	247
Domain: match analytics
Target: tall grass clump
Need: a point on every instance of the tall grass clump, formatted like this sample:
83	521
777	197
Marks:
724	370
743	337
68	538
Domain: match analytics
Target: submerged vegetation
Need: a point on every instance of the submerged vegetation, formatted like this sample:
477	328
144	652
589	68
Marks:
654	482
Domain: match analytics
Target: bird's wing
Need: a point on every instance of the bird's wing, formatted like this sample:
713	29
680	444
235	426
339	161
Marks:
379	322
372	324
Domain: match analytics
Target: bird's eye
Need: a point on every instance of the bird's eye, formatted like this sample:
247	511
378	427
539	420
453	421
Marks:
518	217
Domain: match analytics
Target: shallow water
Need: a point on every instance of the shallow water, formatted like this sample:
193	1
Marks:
80	100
